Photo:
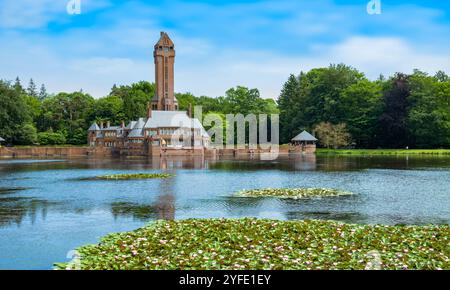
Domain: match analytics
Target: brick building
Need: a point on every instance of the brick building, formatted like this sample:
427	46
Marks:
164	129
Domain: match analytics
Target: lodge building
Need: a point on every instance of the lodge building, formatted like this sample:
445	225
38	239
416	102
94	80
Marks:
165	130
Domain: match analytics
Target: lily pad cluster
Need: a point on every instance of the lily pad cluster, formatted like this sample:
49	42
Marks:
134	176
269	244
294	193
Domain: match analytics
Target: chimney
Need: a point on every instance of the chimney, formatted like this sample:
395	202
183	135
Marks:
108	124
101	125
122	124
149	111
162	33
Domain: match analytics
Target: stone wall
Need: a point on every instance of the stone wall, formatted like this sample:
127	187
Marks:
26	152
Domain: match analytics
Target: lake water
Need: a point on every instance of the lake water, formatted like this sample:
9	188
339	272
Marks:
45	211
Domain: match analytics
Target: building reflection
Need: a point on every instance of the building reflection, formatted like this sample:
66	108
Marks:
163	208
14	210
304	162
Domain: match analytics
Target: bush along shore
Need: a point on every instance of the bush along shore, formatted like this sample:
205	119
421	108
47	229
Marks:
293	193
268	244
133	176
439	152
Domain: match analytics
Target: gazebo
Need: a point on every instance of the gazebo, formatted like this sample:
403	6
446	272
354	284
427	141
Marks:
304	142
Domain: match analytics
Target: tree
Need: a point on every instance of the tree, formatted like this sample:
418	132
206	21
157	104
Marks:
135	98
51	138
289	103
31	90
428	117
13	113
68	114
18	86
393	131
109	108
330	135
361	106
42	93
26	135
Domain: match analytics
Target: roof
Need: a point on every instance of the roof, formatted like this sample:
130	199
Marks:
164	40
137	131
2	140
94	127
198	125
304	136
174	119
111	128
168	119
131	125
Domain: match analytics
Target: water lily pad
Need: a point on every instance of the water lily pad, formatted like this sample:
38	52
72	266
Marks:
132	176
253	244
293	193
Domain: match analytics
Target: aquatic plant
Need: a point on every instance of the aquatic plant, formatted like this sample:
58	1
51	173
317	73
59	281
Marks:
134	176
294	193
269	244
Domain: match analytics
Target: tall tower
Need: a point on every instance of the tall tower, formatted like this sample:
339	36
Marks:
164	54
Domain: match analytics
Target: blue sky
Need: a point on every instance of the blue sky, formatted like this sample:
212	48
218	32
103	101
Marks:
220	44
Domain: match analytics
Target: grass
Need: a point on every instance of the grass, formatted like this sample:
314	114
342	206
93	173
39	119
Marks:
294	193
383	151
267	244
133	176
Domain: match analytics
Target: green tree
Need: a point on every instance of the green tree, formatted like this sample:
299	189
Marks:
68	114
428	118
13	113
26	135
360	106
393	130
42	93
51	138
31	90
334	136
135	98
109	108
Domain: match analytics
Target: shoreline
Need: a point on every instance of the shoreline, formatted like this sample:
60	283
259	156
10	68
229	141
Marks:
83	150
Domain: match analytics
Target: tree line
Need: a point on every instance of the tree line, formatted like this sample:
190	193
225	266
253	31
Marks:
28	117
343	108
338	104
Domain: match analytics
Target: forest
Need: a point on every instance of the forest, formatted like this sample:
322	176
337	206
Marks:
338	104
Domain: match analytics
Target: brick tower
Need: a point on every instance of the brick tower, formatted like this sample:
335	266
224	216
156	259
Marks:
164	55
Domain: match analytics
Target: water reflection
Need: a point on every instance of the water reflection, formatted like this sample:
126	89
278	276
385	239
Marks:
41	203
14	209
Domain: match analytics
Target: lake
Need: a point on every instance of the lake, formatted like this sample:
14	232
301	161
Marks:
47	210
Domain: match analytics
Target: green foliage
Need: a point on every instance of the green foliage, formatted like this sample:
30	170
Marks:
370	152
26	135
14	115
405	110
267	244
135	98
334	136
51	138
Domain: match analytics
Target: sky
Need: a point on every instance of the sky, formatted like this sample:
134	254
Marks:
219	44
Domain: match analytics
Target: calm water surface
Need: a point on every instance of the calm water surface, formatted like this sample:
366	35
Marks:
45	211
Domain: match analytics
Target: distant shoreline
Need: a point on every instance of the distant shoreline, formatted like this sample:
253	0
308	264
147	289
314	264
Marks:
383	152
84	150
